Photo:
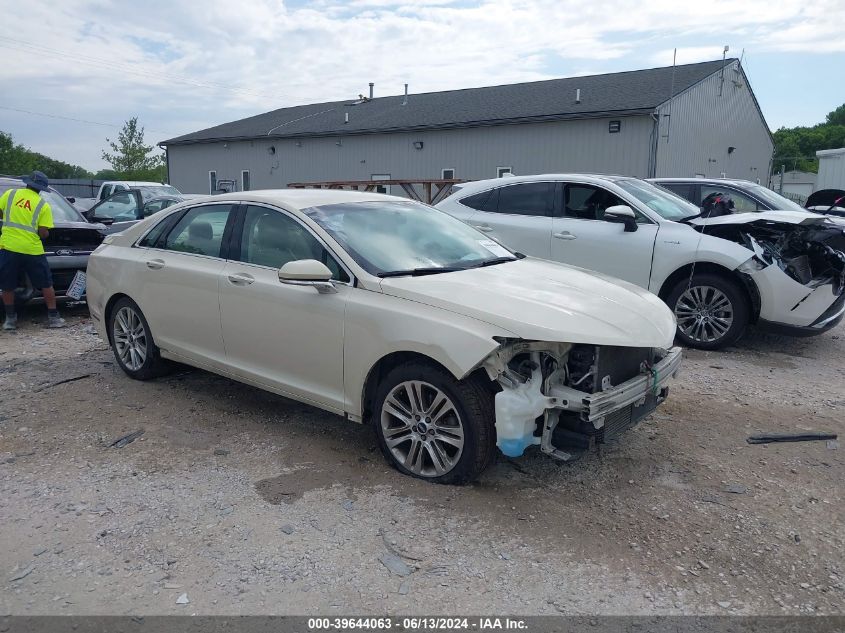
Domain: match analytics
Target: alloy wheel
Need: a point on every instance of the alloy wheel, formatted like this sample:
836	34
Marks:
130	338
422	428
704	313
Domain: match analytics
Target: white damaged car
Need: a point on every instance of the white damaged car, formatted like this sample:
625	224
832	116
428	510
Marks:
780	270
388	312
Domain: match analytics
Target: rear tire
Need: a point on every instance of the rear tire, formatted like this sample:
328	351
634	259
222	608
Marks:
132	342
434	427
712	311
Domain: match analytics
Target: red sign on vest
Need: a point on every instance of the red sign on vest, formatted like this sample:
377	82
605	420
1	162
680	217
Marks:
23	204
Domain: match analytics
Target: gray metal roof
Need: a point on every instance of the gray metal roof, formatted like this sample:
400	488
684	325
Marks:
625	93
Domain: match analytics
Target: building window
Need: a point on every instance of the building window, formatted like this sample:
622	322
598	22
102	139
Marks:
448	174
381	188
501	171
212	181
245	180
614	126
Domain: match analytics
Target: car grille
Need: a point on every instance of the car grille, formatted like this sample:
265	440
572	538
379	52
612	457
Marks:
616	423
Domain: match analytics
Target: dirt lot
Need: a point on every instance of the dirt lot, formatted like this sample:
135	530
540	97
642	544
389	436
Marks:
250	503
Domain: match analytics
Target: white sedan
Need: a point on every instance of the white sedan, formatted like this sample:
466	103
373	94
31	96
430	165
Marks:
783	270
386	311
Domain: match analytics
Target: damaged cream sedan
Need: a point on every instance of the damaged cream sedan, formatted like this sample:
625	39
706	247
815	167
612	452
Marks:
388	312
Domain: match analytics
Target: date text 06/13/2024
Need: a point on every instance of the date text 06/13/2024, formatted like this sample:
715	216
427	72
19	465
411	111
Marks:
419	623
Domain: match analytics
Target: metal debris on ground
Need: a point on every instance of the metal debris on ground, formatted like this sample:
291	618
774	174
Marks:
127	439
395	564
766	438
23	573
60	382
736	489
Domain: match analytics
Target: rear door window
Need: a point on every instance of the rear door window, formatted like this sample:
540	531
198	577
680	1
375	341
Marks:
200	231
529	198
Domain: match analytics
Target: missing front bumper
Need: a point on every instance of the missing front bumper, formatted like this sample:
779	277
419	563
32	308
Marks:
604	414
613	411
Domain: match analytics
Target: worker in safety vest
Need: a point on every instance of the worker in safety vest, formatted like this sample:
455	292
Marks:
27	219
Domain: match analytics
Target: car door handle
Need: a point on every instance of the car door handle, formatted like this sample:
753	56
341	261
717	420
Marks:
483	227
565	235
241	279
155	264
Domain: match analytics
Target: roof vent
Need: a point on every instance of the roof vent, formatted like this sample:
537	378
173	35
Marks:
372	85
405	101
346	117
578	96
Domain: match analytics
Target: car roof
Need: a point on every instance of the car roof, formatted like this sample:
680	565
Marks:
505	180
136	183
302	198
727	181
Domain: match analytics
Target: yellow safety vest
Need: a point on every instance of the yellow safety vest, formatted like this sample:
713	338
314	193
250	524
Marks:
23	212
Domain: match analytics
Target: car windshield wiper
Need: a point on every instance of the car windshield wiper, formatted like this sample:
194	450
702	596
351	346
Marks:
419	272
493	262
687	218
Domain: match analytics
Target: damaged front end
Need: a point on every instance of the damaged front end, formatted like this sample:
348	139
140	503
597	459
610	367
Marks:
568	397
798	271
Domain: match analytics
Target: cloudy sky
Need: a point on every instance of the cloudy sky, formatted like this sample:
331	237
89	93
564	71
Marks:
74	70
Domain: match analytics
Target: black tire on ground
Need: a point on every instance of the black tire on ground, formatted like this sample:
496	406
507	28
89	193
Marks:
472	401
703	285
153	365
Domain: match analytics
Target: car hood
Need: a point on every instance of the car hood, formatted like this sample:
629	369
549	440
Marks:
546	301
82	237
782	217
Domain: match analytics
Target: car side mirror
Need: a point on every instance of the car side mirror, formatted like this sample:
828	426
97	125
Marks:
622	214
307	272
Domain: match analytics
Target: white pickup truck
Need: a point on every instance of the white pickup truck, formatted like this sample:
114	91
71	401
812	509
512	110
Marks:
111	186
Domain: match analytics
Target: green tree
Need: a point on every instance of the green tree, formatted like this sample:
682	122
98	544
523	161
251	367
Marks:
130	158
837	117
15	160
796	147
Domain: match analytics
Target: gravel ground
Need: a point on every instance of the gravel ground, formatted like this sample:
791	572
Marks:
236	501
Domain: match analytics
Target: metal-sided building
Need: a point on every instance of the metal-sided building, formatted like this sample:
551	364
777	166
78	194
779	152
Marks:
831	169
673	121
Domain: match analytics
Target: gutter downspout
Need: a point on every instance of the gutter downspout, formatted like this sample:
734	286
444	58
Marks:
167	163
655	134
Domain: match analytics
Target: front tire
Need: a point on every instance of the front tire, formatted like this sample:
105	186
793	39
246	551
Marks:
132	342
434	427
712	311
